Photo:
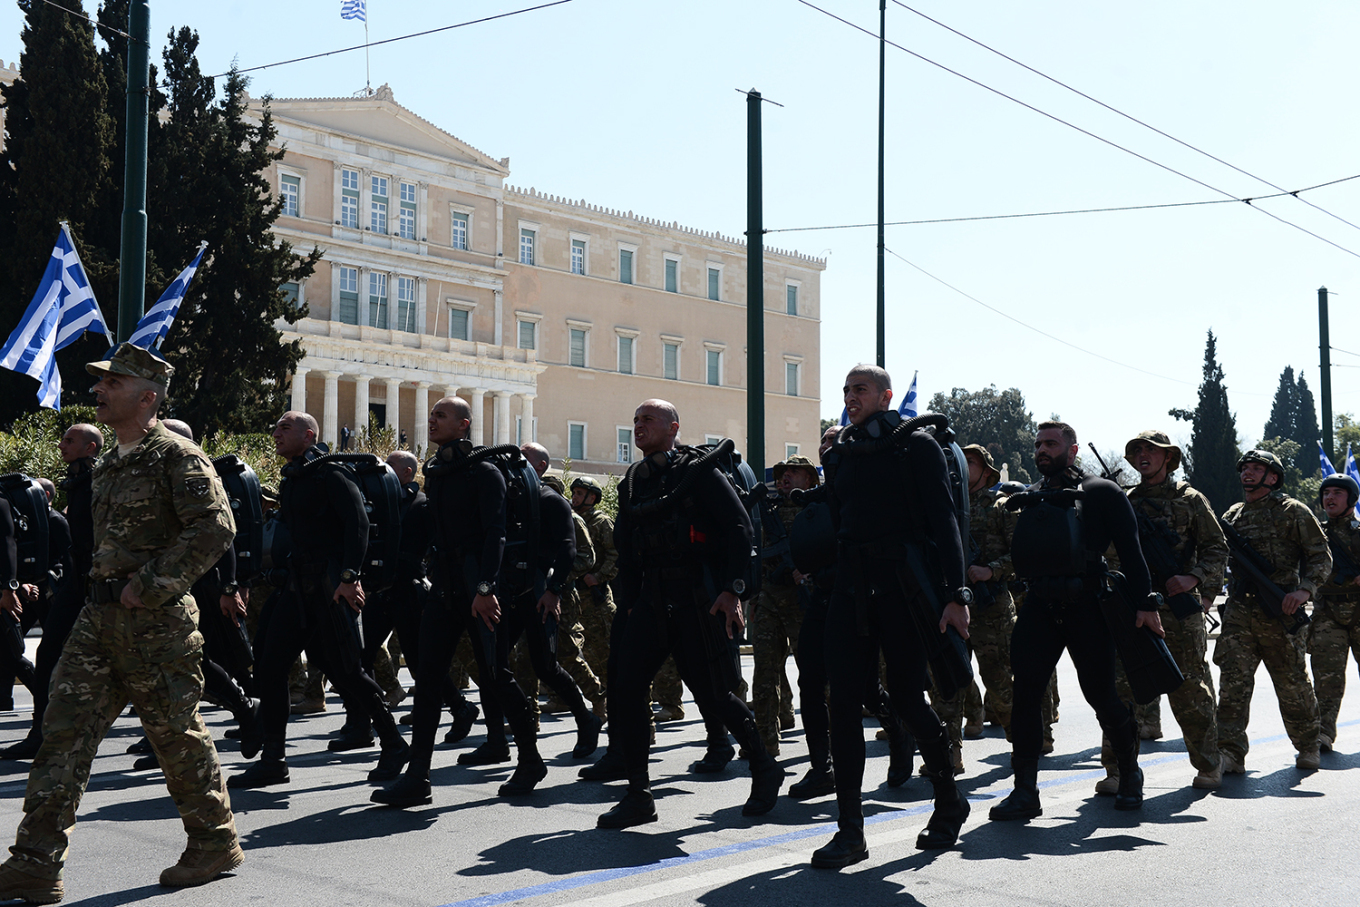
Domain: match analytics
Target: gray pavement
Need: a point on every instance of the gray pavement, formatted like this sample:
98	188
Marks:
1273	837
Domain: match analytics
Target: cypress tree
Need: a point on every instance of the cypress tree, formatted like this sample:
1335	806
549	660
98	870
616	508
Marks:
1282	409
1306	431
1213	442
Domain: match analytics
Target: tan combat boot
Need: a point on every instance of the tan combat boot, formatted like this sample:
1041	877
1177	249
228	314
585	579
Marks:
15	884
196	866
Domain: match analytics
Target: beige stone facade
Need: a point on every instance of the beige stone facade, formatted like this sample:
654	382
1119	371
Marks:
554	318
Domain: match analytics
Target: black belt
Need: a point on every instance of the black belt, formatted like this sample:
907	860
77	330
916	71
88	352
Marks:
106	591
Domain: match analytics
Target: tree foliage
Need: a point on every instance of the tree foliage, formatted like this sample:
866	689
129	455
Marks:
1293	417
998	420
1213	442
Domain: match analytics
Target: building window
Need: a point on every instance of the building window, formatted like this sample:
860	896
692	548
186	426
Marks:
377	300
526	247
377	212
713	439
625	266
578	347
714	367
528	335
406	225
292	292
791	378
406	304
625	356
790	450
670	365
624	452
672	275
349	199
578	256
714	282
460	323
349	295
576	440
458	236
791	300
290	188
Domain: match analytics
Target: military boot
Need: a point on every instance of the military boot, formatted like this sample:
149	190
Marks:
270	769
588	727
610	767
412	790
901	749
767	776
17	885
355	734
463	717
246	712
636	808
848	846
395	752
1109	785
1124	742
26	748
820	779
951	806
719	751
1023	802
197	867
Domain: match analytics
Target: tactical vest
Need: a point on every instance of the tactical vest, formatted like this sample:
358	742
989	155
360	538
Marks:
28	502
1048	549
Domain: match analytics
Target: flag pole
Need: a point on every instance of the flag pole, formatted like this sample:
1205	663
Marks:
368	75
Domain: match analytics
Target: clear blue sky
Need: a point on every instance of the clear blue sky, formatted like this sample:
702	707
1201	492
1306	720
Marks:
632	105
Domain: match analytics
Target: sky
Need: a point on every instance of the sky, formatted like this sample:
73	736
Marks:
636	104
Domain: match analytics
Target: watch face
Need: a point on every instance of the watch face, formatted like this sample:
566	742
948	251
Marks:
965	596
483	588
739	586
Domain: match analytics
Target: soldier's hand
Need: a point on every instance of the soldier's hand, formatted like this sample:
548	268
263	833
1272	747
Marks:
10	602
488	609
131	599
1293	601
1178	584
979	574
956	616
29	592
352	593
233	607
1152	620
1207	601
730	606
550	605
593	579
799	578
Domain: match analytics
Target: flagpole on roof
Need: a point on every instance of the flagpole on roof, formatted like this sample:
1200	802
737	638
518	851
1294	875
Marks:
132	252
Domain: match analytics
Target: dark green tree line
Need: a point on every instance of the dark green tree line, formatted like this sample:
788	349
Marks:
1213	453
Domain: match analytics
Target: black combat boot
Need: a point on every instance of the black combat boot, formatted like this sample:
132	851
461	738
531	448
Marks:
901	749
463	717
1023	802
588	728
395	752
246	711
414	787
611	767
1124	741
848	846
26	748
820	779
767	776
636	808
270	769
355	734
719	752
951	806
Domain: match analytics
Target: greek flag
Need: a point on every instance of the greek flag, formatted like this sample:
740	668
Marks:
1352	471
909	409
1325	462
845	416
156	322
62	310
354	9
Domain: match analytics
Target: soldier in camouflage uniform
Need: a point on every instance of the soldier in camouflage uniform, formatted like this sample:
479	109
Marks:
597	602
778	613
1335	633
1284	532
1201	554
161	520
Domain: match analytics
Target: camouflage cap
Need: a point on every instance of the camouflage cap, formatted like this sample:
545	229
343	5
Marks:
126	359
1156	439
796	462
993	474
589	485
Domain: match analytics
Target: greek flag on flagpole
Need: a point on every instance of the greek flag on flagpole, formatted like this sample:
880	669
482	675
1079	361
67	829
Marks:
1352	471
845	416
62	310
1325	462
151	330
909	409
354	9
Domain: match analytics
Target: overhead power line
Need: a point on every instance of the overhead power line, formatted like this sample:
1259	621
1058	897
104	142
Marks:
95	22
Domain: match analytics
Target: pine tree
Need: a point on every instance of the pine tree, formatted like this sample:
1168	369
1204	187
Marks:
1306	431
1282	410
1213	442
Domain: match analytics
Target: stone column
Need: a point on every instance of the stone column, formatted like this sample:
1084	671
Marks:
477	401
394	404
526	414
299	404
422	426
360	403
330	410
499	336
502	411
450	390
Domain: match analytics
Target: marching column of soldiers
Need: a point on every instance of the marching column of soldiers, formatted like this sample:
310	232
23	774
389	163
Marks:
884	574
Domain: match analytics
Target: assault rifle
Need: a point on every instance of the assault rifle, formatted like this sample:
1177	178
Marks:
1257	570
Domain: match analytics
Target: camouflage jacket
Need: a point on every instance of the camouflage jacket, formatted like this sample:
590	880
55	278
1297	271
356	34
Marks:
1342	599
585	551
785	511
1286	533
991	526
160	516
1189	515
601	528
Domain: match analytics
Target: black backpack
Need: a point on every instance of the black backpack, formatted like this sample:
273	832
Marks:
28	502
243	490
519	563
382	495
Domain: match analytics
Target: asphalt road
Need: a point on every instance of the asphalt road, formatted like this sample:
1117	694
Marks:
1275	836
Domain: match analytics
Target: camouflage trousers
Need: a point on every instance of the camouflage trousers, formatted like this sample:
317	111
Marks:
1330	642
666	689
570	641
1250	637
774	635
989	638
1193	701
597	617
153	658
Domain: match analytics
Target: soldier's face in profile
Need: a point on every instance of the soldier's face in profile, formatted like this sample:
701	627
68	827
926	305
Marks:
1148	459
975	469
1335	501
653	429
446	424
291	438
578	498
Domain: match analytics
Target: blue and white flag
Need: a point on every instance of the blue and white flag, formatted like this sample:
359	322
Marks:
62	310
354	9
1352	472
909	409
156	322
1325	462
845	416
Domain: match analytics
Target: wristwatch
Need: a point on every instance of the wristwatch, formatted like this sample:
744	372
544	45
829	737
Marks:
739	586
349	576
556	588
229	589
964	596
485	588
13	585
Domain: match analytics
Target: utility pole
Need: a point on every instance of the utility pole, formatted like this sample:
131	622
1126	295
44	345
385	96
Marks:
755	292
882	67
1325	346
132	253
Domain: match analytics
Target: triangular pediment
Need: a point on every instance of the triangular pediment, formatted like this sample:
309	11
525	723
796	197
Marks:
381	120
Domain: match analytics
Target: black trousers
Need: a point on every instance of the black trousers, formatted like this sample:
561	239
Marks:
812	675
849	654
1041	633
400	610
61	617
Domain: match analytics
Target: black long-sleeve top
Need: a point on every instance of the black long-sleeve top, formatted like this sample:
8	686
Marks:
1108	518
416	533
713	522
9	549
901	492
468	509
325	513
556	538
79	488
58	544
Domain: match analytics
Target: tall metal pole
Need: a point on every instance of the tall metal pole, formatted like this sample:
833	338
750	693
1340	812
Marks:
755	293
132	254
882	67
1325	346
